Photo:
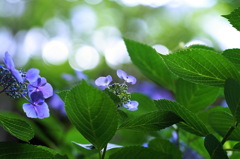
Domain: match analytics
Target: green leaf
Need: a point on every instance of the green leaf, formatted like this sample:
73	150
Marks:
150	63
233	18
12	150
201	66
152	121
195	97
197	46
233	55
63	94
232	96
189	118
214	148
16	126
221	120
93	113
165	146
138	152
237	146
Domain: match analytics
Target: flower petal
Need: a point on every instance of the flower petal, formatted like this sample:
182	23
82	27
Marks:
30	110
8	61
32	75
17	75
121	74
132	105
81	75
131	79
103	81
47	90
42	110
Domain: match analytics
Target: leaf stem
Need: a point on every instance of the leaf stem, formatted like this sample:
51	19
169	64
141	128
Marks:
229	132
104	152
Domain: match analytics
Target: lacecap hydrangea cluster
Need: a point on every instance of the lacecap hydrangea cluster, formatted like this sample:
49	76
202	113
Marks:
28	85
120	90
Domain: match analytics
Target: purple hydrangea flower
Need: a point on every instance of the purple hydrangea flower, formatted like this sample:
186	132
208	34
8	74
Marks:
41	85
32	75
57	103
10	65
132	105
103	82
37	108
127	78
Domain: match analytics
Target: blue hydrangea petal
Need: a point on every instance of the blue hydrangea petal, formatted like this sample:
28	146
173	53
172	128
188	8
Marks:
67	77
47	90
32	75
121	74
81	75
8	61
17	75
30	111
103	81
131	79
42	110
132	105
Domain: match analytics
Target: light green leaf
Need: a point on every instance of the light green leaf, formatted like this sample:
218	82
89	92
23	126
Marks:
152	121
232	96
16	126
165	146
214	148
221	120
197	46
190	119
93	113
233	18
233	55
138	152
195	97
12	150
201	66
150	63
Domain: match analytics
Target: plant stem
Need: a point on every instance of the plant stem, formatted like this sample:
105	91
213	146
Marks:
229	132
100	154
104	152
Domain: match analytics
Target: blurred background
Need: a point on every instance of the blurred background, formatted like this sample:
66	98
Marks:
70	40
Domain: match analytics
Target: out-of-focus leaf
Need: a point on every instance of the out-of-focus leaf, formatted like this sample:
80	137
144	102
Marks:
190	119
233	18
16	126
214	148
152	121
93	113
201	66
150	63
195	97
233	55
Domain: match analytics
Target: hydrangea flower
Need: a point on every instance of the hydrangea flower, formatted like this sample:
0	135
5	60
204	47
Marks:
28	85
120	90
127	78
11	67
36	108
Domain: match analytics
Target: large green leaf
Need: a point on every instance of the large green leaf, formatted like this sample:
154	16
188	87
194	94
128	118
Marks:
221	120
150	63
232	96
214	148
195	97
152	121
201	66
93	113
16	126
165	146
233	55
190	119
138	152
233	18
12	150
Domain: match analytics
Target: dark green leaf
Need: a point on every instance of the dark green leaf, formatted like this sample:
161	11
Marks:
214	148
201	66
63	94
12	150
138	152
150	63
16	126
233	55
221	120
195	97
191	119
165	146
152	121
232	96
237	146
93	113
233	18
